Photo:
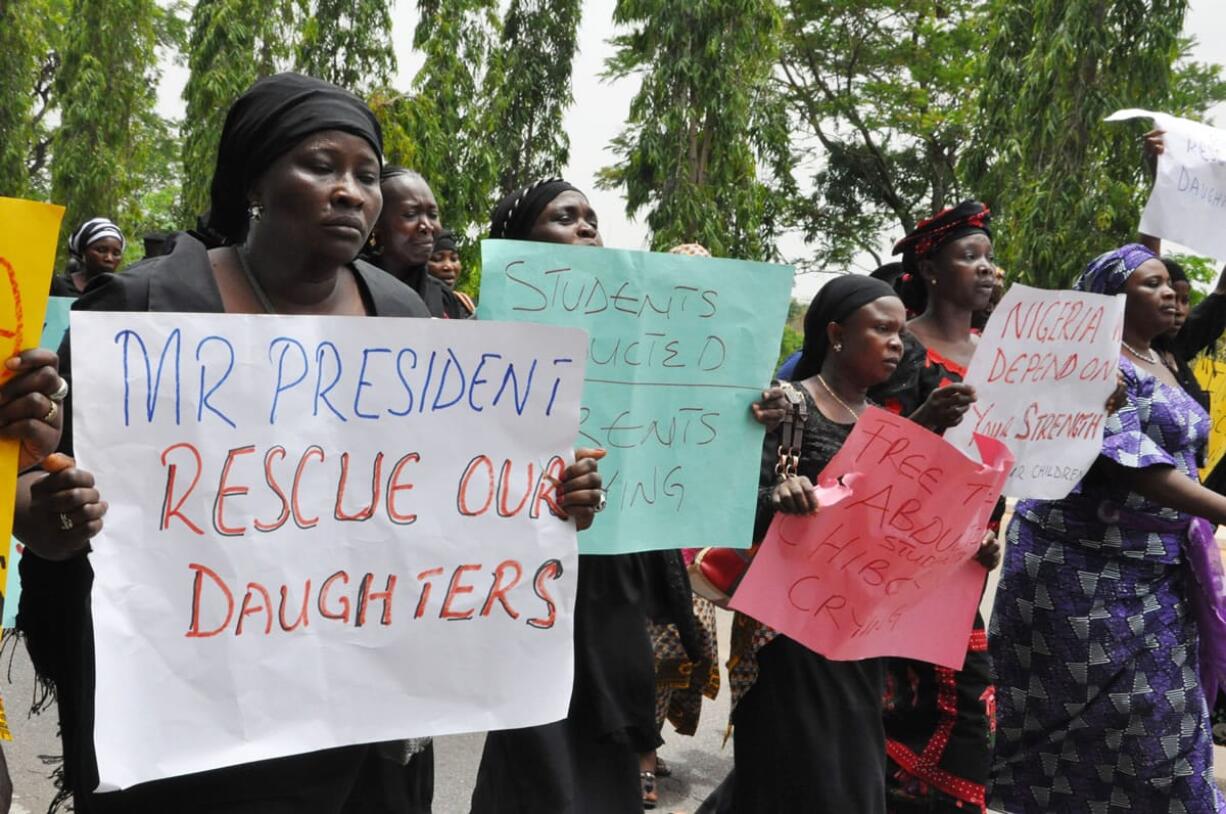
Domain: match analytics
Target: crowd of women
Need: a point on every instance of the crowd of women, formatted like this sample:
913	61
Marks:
1086	694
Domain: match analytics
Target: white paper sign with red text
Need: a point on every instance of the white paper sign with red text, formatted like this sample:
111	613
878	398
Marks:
323	531
1045	366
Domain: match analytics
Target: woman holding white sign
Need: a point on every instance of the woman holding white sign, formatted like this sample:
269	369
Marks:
294	197
1094	636
938	720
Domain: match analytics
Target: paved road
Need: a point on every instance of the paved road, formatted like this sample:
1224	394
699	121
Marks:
699	763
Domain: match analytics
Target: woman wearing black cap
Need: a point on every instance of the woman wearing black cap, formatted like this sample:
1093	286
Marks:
294	198
403	240
938	720
808	732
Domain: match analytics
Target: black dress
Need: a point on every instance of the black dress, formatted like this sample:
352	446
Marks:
1202	329
63	286
939	722
587	763
439	299
56	618
807	733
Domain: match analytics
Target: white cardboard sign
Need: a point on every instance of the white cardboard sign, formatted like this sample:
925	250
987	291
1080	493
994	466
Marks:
1188	201
1045	365
323	531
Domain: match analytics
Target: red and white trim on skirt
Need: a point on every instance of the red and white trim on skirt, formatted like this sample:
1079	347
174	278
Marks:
926	767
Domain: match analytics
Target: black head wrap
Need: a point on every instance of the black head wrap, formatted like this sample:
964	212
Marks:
445	241
927	238
887	273
514	215
835	302
275	114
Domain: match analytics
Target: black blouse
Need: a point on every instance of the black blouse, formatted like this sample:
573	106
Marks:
822	439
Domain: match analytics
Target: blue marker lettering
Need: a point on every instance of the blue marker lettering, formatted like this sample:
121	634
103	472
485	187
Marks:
362	382
286	343
322	395
204	396
408	390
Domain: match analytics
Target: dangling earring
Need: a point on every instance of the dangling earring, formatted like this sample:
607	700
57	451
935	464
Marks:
255	211
372	245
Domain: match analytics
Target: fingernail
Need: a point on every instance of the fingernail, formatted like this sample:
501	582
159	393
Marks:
13	363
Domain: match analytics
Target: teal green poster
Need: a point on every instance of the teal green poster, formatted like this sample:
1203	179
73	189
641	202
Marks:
679	348
53	333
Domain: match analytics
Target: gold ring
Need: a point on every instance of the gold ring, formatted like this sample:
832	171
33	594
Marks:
52	413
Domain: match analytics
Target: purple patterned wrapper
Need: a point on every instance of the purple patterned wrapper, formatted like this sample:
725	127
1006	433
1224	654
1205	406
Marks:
1208	596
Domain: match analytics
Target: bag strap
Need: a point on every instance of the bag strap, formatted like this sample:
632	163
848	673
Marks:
791	432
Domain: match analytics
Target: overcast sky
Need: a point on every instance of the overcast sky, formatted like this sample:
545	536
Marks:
601	108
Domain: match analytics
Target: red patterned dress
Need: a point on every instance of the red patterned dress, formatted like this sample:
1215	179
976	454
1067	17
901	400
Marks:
939	723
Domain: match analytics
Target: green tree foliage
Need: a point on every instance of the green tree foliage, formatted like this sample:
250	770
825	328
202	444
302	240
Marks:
528	88
443	129
705	126
31	39
106	88
154	203
233	43
347	42
792	341
793	331
19	66
1066	185
878	91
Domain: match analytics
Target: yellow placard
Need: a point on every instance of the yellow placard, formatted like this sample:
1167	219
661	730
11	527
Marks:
1212	377
28	234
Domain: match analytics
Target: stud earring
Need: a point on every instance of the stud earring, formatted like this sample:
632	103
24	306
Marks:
255	211
838	348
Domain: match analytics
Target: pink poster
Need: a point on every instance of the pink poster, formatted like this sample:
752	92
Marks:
886	567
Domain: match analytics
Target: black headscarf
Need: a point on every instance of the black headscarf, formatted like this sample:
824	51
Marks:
888	272
274	115
927	238
835	302
516	213
445	241
1176	272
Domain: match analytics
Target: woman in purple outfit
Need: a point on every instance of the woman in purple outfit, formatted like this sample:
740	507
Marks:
1099	700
